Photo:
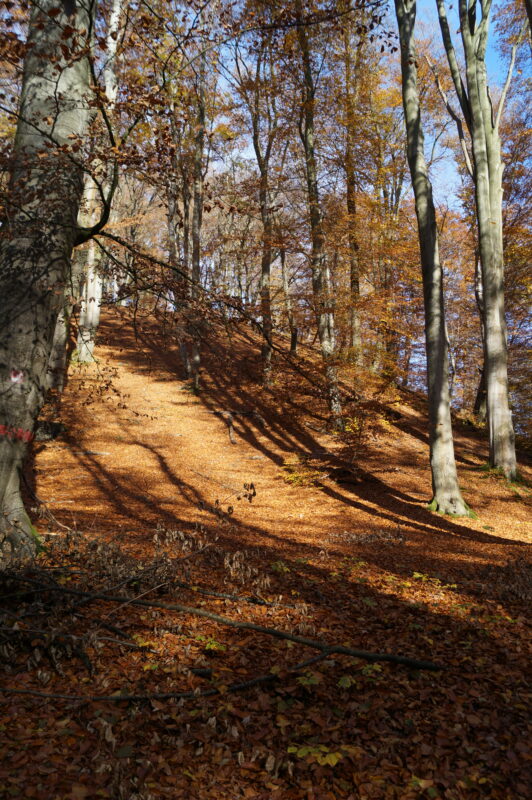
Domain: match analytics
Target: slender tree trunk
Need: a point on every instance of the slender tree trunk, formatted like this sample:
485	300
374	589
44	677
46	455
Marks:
321	278
194	359
38	235
288	303
480	407
89	317
265	291
351	89
199	147
447	498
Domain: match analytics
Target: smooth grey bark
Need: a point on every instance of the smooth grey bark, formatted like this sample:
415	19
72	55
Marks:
258	91
480	407
91	299
199	147
447	498
288	302
352	85
193	357
57	364
483	125
38	234
321	277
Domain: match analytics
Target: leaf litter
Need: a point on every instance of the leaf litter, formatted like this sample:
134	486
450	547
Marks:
169	513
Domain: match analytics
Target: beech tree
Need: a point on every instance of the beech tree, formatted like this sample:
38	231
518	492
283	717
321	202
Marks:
483	123
321	276
39	230
447	498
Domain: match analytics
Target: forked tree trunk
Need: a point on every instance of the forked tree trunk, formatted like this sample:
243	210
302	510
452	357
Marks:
447	498
38	235
483	124
321	277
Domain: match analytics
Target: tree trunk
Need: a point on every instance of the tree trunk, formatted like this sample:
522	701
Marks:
480	407
38	235
483	126
57	363
321	278
194	357
288	303
265	291
91	301
447	498
351	90
89	318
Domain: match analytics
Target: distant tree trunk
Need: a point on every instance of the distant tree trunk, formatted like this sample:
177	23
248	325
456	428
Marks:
351	89
194	358
321	278
265	292
199	147
447	498
38	235
89	317
480	407
288	303
483	124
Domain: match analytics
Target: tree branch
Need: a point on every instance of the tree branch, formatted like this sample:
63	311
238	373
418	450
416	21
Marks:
250	626
459	87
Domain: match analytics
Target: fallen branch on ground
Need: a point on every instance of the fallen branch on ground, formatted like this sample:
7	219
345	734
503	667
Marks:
250	626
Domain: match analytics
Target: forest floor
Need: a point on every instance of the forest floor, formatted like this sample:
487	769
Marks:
144	502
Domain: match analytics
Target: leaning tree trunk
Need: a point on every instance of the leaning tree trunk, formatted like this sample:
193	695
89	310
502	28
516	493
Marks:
321	278
38	234
447	498
265	279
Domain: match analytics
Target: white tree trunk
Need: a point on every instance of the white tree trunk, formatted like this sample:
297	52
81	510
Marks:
89	318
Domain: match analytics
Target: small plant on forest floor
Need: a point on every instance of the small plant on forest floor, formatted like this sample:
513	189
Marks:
318	754
297	472
437	583
280	567
210	645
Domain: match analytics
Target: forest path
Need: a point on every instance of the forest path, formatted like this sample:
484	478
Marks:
142	450
353	559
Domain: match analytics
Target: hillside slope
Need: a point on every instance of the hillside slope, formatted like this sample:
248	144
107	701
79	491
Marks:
239	503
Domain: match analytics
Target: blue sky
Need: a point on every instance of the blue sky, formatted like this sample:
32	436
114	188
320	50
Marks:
427	14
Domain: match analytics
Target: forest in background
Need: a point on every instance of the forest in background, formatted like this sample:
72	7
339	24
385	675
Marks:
250	161
263	276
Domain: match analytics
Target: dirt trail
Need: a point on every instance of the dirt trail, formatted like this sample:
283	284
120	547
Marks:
337	545
144	450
